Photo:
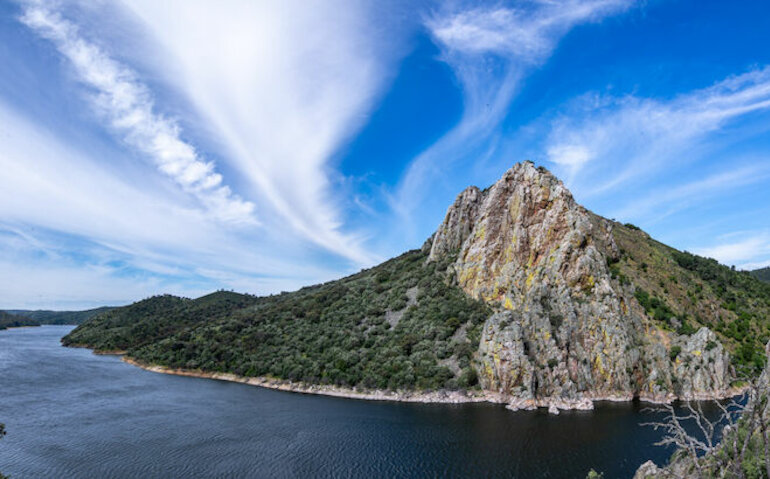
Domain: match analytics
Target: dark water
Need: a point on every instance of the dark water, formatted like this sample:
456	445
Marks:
70	413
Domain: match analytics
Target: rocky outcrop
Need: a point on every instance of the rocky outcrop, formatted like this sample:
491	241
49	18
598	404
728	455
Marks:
648	470
565	332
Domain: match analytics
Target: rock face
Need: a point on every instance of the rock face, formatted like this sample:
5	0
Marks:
565	331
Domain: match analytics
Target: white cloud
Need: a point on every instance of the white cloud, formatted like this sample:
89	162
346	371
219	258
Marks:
275	90
59	203
282	85
490	49
130	109
755	265
528	32
571	156
746	253
498	30
632	139
665	201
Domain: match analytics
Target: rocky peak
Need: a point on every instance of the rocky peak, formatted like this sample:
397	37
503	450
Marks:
566	331
526	219
524	189
457	224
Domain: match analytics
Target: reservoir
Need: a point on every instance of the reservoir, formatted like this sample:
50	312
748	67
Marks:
70	413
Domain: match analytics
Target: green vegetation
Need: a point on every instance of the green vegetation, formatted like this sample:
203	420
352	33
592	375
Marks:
683	292
674	352
762	274
745	297
8	320
660	311
153	319
60	317
19	318
399	325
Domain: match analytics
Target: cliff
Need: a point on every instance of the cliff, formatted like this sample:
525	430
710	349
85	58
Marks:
565	330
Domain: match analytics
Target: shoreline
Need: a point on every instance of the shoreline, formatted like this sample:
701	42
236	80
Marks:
7	328
554	405
440	397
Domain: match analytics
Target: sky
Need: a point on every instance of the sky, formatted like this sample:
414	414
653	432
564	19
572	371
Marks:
187	146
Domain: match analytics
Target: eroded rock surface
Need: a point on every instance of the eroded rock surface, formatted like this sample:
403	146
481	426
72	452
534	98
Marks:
566	332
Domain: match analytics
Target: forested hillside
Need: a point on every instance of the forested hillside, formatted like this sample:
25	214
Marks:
398	325
683	291
59	317
762	274
8	320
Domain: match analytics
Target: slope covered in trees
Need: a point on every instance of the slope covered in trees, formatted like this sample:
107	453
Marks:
398	325
762	274
8	320
682	291
59	317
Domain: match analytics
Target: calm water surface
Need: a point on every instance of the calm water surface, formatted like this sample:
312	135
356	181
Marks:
70	413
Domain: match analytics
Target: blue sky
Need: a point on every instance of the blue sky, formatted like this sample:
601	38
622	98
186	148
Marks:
185	146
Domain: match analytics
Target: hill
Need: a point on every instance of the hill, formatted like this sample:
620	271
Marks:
762	274
521	294
59	317
8	320
399	325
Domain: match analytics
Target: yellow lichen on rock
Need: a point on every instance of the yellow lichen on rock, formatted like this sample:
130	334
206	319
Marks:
508	303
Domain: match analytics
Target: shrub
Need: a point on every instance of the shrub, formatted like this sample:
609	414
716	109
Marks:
552	363
674	352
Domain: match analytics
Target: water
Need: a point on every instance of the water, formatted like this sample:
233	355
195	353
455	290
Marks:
70	413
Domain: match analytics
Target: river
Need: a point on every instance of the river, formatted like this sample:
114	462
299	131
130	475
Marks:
70	413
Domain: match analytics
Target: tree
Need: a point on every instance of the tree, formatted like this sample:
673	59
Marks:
742	427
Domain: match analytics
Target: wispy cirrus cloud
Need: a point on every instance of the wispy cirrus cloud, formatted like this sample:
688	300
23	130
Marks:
129	107
269	89
490	50
602	143
664	201
105	236
282	86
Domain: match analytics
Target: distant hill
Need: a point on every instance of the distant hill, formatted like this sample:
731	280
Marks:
762	274
59	317
8	320
521	293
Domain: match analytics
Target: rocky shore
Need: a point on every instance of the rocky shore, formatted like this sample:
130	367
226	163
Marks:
442	396
439	397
